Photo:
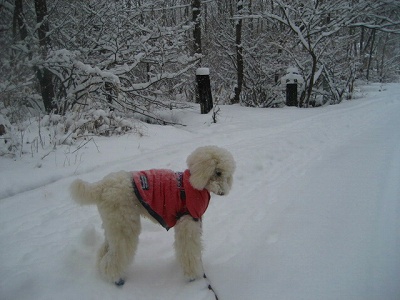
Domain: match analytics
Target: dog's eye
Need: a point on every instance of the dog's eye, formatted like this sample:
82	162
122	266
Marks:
218	173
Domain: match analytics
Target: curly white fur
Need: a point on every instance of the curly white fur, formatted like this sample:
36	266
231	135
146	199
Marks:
210	167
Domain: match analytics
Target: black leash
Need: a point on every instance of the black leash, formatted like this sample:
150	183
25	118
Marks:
210	286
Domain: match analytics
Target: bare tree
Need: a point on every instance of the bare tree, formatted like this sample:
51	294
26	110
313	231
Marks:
134	55
239	52
19	26
196	19
43	74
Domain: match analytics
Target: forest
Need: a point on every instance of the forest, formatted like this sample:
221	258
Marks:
93	65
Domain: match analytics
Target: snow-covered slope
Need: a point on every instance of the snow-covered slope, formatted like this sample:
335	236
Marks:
314	212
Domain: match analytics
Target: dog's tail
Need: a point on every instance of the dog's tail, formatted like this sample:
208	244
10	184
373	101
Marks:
85	193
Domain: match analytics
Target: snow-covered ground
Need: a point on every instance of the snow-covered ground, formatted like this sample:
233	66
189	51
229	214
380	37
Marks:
314	212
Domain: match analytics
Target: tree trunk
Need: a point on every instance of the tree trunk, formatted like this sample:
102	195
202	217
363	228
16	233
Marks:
311	83
239	55
371	52
382	64
44	76
19	21
196	18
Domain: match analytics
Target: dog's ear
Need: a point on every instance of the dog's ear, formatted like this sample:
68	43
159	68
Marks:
201	166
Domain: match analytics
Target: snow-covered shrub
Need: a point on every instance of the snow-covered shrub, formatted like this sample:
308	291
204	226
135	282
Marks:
46	132
6	137
72	126
261	96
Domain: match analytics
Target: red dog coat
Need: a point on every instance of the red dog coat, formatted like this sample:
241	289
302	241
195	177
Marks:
168	195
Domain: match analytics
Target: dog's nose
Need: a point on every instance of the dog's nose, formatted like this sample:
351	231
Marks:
221	193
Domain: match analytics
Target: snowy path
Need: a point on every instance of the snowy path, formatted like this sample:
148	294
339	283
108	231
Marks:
340	236
314	212
330	227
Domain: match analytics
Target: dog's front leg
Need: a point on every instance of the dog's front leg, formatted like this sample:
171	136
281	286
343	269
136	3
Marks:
188	246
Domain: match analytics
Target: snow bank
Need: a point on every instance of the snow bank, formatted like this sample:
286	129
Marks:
313	214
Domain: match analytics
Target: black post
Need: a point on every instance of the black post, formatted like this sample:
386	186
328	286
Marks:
204	90
109	93
291	94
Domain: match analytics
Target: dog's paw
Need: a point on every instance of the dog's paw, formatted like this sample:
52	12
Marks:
120	282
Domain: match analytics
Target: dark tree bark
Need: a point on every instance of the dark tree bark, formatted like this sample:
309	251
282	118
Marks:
196	18
371	53
311	83
381	66
44	76
239	55
19	21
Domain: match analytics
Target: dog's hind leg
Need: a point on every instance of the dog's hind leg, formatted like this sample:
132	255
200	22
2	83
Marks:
188	246
102	251
119	247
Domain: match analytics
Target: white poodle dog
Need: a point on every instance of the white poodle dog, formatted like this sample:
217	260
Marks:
172	199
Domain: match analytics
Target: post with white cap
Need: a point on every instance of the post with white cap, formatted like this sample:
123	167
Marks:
291	80
204	90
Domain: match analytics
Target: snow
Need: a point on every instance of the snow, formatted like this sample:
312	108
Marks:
292	76
314	212
202	71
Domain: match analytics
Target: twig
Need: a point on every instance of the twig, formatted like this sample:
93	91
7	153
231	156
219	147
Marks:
83	145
